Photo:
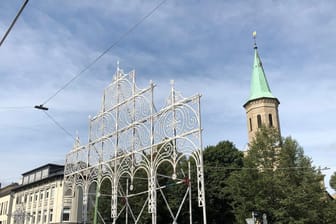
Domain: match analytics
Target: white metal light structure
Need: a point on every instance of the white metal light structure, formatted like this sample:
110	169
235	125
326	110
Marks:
129	136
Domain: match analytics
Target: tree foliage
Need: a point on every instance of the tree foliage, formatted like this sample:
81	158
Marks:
274	177
280	181
220	161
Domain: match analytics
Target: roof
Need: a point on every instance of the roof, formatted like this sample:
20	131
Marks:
51	165
6	190
58	175
259	85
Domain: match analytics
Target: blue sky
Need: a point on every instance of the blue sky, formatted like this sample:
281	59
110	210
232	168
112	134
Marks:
205	46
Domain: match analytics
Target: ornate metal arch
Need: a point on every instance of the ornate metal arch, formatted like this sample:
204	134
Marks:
128	135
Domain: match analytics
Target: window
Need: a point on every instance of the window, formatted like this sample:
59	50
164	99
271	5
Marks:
259	120
66	214
6	204
36	195
270	120
52	192
44	216
38	175
45	173
250	124
31	197
41	195
31	178
39	216
47	194
50	215
26	180
33	217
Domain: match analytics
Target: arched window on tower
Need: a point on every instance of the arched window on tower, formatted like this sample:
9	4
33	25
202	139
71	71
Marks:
250	124
270	120
259	120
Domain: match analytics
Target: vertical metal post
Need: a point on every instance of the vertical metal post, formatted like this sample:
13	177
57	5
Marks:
153	195
174	126
114	199
85	202
152	180
126	202
201	161
190	198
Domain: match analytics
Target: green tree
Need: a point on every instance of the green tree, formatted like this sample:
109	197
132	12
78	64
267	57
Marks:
220	161
278	180
104	202
331	203
173	192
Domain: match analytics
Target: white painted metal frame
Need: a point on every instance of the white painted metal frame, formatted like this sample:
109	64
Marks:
129	135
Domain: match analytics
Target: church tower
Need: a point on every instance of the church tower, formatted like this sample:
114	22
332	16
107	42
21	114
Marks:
261	107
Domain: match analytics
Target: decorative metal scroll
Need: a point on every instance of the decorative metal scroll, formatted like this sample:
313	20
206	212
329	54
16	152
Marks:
129	136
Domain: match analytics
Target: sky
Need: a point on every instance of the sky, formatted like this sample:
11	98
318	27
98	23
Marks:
205	46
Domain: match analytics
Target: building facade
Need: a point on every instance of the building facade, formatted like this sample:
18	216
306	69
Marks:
261	107
42	198
6	202
39	198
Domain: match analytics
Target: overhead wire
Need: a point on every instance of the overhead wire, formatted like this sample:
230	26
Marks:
59	125
15	107
14	21
263	168
131	29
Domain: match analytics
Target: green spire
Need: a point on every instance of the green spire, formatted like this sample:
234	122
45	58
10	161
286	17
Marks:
259	84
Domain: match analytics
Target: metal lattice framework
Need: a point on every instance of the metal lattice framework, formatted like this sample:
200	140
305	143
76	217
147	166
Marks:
129	135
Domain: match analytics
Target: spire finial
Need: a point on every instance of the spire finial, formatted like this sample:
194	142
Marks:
254	34
118	65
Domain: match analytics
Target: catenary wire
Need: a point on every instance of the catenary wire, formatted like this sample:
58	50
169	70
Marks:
15	107
13	22
59	125
263	168
131	29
